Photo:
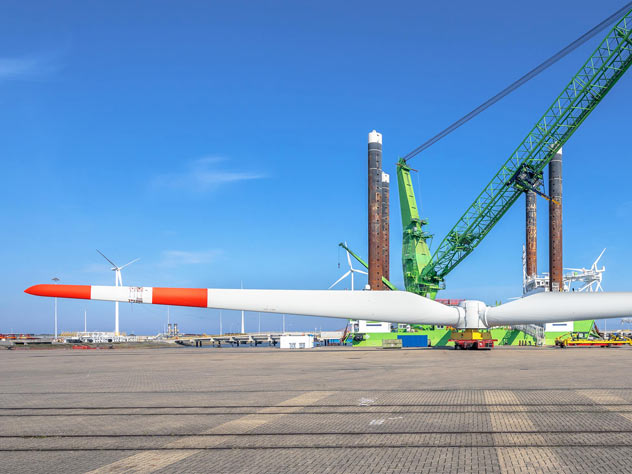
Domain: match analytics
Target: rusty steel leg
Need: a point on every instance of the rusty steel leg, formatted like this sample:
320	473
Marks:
385	225
555	224
375	210
532	233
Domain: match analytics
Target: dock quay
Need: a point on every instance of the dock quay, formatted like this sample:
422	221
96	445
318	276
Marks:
335	410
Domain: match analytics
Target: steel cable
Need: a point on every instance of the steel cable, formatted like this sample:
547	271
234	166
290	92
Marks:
527	77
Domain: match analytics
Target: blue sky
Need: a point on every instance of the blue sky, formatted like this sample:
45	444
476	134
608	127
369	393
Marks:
226	141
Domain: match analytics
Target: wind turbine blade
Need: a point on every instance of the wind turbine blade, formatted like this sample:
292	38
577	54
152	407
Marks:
391	306
340	279
594	265
360	271
129	263
559	306
349	259
113	264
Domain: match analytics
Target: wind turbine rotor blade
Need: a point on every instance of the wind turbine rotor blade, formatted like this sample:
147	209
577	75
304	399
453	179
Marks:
359	271
390	306
594	265
129	263
560	306
113	264
349	259
340	279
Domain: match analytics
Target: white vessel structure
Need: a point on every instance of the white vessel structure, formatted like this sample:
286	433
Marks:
575	280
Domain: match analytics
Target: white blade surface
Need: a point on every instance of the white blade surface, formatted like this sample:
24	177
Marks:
129	263
554	307
392	306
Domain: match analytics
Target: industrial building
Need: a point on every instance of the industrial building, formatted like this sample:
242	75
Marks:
293	341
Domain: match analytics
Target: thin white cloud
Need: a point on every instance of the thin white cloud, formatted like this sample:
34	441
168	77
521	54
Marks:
172	258
204	174
28	67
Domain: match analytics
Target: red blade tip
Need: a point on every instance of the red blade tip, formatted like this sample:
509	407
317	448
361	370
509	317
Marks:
60	291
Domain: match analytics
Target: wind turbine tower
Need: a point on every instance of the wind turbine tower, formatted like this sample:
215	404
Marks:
118	281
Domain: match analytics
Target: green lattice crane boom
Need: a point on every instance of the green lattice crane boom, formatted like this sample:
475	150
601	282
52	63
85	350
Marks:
425	274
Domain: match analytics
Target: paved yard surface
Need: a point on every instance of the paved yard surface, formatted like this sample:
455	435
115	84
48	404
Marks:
264	410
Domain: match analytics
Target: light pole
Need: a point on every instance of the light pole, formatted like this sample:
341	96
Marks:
55	279
243	322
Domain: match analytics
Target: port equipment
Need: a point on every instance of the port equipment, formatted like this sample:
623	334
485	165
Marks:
472	339
362	262
425	273
585	339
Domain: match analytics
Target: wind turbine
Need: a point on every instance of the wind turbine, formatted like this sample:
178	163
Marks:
118	281
350	272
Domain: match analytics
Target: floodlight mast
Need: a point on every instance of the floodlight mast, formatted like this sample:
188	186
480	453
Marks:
55	279
243	322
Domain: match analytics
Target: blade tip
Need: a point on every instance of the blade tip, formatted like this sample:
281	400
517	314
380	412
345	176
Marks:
33	290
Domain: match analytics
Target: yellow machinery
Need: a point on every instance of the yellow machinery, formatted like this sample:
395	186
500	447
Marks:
584	339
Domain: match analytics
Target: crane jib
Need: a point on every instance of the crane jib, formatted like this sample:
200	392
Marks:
584	92
605	66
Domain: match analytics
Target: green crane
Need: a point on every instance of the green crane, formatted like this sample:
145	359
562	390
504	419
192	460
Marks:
424	273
